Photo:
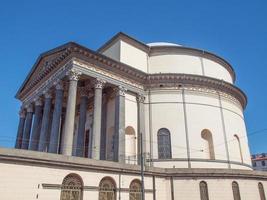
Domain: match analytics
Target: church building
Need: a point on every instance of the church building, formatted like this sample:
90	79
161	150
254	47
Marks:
130	119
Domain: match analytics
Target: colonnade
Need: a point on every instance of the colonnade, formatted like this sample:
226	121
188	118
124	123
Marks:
47	124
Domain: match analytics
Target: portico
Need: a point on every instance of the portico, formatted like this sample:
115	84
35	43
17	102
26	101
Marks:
74	97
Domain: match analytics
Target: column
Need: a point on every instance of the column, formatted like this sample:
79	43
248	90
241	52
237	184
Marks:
22	116
27	129
96	133
119	143
103	138
141	125
82	120
54	137
67	139
36	124
43	143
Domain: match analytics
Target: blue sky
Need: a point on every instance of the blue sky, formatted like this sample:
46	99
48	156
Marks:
235	30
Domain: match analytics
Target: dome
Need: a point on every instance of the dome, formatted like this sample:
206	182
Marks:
153	44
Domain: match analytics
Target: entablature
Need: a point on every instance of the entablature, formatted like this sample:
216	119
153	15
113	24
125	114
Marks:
94	64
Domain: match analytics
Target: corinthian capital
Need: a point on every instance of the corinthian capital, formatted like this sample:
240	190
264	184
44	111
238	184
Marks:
22	113
121	90
59	85
99	83
74	75
29	108
38	101
140	98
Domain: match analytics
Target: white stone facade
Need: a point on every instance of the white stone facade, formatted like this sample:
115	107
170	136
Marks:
98	107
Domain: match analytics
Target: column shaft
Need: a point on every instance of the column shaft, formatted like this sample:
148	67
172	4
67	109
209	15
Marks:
54	137
27	129
67	140
43	142
36	125
96	133
20	129
81	128
141	126
119	143
103	138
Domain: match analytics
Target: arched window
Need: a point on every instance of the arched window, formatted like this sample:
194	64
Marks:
203	187
130	145
164	144
236	192
209	148
135	190
261	191
238	146
72	188
107	189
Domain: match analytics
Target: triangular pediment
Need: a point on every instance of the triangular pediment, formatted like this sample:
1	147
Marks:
41	65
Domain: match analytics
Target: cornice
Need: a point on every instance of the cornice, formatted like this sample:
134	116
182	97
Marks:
181	80
43	159
73	50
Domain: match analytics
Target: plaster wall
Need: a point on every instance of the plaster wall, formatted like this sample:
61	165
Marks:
202	111
131	123
27	182
114	51
133	56
188	64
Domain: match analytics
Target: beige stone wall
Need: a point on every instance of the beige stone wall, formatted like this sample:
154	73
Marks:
25	182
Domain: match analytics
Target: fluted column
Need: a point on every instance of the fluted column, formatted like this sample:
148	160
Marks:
141	125
22	116
119	154
28	127
43	143
67	141
36	124
54	137
96	133
82	120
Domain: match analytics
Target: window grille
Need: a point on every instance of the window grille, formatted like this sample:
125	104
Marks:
72	188
107	189
204	194
164	144
261	191
135	190
236	192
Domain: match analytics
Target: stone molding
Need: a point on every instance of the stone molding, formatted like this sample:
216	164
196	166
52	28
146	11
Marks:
132	75
43	159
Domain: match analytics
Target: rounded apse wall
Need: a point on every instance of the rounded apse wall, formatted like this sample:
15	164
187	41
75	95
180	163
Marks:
206	129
